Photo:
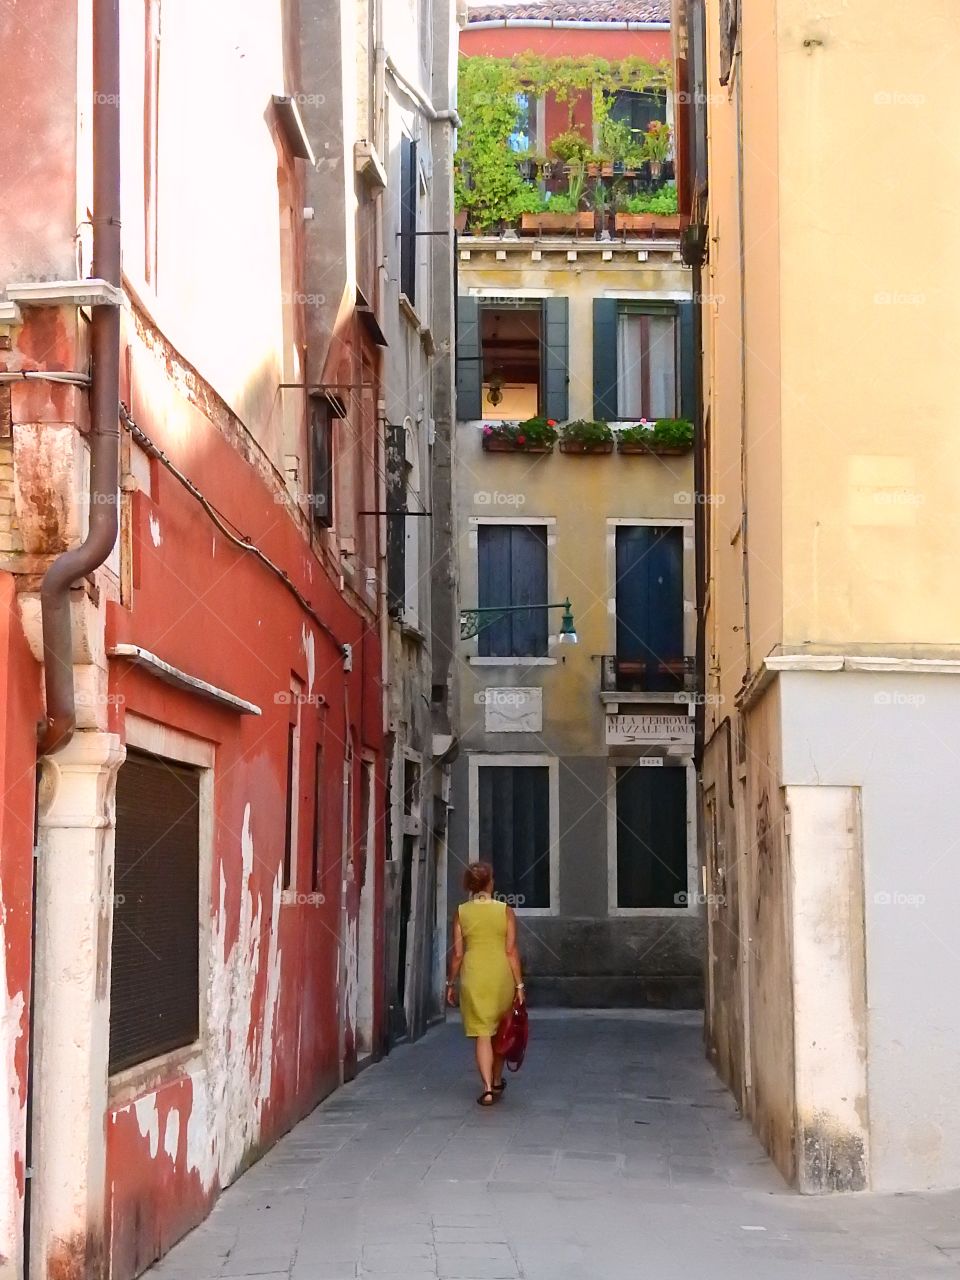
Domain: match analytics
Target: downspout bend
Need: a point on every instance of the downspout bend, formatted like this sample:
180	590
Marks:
74	565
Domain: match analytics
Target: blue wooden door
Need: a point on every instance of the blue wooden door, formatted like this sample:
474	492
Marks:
649	593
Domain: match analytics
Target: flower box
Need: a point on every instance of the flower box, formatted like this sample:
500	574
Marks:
495	444
636	224
532	224
637	446
582	446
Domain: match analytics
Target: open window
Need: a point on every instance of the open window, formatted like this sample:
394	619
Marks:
512	358
638	108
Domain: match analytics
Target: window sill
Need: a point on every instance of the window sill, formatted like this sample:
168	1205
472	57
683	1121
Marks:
147	1077
476	660
409	310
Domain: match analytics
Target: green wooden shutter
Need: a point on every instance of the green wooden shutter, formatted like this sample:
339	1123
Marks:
605	311
469	366
556	372
688	357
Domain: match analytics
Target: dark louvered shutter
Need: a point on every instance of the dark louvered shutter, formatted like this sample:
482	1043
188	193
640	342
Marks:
514	830
556	359
512	570
155	957
469	366
321	463
688	357
605	313
408	218
651	837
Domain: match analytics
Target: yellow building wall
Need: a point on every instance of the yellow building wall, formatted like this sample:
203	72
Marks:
869	188
581	493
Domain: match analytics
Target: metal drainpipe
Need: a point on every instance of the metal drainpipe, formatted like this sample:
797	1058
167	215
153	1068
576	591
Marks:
74	565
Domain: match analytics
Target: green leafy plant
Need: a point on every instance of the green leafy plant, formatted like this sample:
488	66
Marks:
583	431
532	431
562	202
663	201
487	174
673	433
656	143
529	199
570	147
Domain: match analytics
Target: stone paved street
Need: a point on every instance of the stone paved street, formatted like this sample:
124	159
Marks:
615	1153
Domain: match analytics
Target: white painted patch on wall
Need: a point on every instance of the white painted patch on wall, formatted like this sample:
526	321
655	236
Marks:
309	649
171	1134
155	535
148	1121
230	1091
12	1118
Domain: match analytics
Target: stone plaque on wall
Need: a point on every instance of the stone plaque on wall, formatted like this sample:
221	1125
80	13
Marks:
513	710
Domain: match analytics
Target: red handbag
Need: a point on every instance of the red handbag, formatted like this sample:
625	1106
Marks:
510	1041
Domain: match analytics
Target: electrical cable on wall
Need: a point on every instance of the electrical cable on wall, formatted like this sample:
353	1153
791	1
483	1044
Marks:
220	521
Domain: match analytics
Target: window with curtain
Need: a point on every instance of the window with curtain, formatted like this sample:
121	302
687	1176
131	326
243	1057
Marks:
646	365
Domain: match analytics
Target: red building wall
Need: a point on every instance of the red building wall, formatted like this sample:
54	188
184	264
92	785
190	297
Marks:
565	42
215	611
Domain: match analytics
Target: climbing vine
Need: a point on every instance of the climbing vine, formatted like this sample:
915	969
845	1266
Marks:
489	183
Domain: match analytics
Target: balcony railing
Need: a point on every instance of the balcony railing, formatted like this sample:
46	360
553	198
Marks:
637	675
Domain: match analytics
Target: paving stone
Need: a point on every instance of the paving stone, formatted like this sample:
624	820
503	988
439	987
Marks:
636	1163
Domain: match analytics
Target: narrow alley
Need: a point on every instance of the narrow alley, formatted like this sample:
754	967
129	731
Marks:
615	1152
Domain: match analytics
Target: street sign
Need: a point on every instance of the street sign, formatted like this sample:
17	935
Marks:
649	729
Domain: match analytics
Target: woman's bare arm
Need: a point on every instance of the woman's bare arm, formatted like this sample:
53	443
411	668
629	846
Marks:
456	958
513	954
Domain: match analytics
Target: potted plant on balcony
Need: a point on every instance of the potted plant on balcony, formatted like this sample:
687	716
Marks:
562	213
583	436
663	436
534	435
656	147
649	212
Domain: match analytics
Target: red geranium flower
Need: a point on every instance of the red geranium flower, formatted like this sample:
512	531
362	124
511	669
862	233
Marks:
551	422
521	439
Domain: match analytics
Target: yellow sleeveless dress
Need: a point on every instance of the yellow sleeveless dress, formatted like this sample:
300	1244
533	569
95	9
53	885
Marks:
486	981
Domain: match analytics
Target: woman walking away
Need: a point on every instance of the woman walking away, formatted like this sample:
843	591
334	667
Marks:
485	949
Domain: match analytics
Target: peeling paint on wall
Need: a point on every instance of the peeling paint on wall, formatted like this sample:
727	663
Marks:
11	1100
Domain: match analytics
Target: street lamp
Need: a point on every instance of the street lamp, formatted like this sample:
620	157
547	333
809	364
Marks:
473	621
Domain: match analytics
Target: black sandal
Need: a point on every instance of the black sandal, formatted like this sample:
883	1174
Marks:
499	1088
487	1093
